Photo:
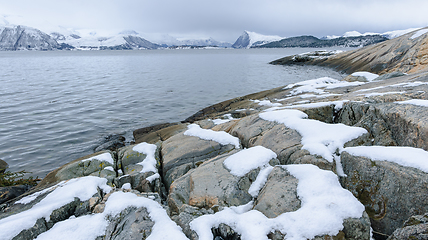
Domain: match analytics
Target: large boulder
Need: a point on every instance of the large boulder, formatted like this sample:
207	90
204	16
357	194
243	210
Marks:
391	193
389	124
3	166
279	195
180	153
131	223
416	227
100	164
208	185
285	142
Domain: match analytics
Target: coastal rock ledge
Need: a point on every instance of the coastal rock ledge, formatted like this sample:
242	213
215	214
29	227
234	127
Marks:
318	159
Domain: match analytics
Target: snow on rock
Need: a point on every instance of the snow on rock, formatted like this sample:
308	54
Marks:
64	193
417	102
315	85
248	159
325	204
266	103
419	33
402	85
228	117
318	138
368	75
405	156
92	226
375	94
337	105
260	181
149	163
221	137
104	157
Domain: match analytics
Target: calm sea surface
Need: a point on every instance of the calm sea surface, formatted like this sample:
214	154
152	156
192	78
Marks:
57	106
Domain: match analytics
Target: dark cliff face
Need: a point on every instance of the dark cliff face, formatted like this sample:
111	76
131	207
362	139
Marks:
313	42
243	41
20	38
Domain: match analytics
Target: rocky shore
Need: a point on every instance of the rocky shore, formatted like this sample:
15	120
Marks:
319	159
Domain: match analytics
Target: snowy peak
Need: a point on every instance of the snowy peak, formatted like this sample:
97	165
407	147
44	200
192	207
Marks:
251	39
91	40
25	38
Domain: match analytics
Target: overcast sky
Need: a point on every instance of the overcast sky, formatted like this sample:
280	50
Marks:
223	20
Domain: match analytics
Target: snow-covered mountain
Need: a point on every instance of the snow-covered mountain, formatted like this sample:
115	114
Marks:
389	34
94	41
25	38
252	39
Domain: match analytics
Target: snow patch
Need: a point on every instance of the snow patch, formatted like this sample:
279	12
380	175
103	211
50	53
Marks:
419	33
248	159
315	85
221	137
104	157
405	156
149	163
368	75
318	138
417	102
64	193
260	181
266	103
92	226
325	204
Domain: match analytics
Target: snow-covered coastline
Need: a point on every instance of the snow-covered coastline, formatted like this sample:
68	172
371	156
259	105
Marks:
322	158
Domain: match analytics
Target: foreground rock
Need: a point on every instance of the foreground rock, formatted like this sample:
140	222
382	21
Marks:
247	169
416	227
3	166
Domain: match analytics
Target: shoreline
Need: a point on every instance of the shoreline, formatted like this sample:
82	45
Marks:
258	166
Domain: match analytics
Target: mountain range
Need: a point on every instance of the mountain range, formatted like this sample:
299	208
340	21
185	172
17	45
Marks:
19	37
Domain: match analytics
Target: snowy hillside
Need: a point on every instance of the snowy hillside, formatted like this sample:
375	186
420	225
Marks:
250	39
25	38
92	40
389	34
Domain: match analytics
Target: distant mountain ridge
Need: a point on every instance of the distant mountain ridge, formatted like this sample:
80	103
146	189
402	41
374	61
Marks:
25	38
313	42
19	37
252	39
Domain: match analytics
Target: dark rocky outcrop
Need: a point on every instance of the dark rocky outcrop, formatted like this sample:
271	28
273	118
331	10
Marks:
313	42
405	54
3	166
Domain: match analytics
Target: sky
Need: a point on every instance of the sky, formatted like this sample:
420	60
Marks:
223	20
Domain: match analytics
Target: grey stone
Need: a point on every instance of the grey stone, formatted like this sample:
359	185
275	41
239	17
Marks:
32	232
181	150
3	166
131	223
389	124
11	192
279	195
81	168
416	227
206	186
391	193
389	76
